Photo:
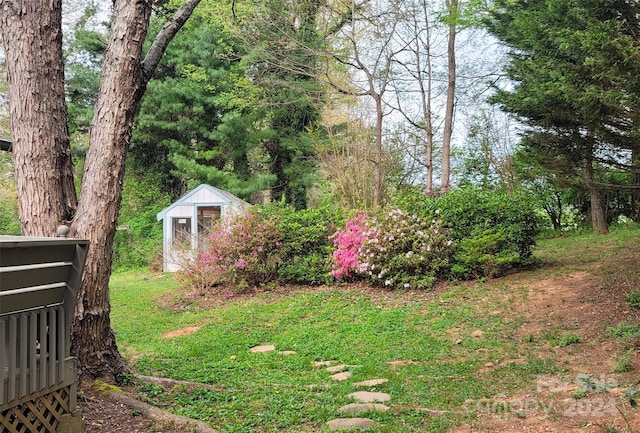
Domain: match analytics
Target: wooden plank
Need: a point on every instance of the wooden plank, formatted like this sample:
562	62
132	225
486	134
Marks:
29	298
43	349
13	339
33	349
4	368
52	334
62	340
15	277
22	350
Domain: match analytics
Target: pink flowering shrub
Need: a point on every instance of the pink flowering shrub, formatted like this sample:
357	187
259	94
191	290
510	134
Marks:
348	243
243	252
393	250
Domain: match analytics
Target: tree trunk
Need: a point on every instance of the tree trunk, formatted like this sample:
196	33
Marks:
426	95
32	37
32	40
123	82
598	219
452	10
122	85
379	175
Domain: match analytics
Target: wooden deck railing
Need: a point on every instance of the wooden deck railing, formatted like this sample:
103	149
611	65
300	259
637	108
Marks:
39	280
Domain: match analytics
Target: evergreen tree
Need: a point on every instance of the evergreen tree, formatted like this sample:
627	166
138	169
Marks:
574	69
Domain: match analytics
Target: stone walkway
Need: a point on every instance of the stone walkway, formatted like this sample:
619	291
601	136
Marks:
366	401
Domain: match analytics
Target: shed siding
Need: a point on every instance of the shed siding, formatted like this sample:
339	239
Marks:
180	211
206	196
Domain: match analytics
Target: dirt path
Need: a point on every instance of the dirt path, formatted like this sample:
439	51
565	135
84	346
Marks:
575	304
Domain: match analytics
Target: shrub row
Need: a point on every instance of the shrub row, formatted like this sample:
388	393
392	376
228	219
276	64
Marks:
413	243
267	246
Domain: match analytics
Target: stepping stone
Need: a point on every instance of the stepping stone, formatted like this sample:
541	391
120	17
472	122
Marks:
317	364
356	408
372	382
339	377
350	423
261	349
370	397
287	352
336	368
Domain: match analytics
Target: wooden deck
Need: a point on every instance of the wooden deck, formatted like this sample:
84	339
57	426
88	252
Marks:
39	280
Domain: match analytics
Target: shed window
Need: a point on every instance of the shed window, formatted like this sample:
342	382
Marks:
207	216
182	231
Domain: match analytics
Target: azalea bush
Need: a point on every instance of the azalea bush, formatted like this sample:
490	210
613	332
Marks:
267	246
244	251
393	250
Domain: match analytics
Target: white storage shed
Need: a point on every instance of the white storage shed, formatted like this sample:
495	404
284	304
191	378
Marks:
188	221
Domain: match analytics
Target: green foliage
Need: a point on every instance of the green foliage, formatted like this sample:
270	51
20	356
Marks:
9	222
633	299
625	330
306	245
140	243
268	245
624	363
494	230
569	339
483	255
571	69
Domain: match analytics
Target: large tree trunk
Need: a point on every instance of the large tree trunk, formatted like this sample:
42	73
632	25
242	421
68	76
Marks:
32	40
122	85
452	10
32	37
121	88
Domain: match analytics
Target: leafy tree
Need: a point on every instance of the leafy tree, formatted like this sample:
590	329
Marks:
574	69
191	129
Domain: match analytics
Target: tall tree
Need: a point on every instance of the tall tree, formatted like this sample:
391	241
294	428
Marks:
32	36
453	11
575	72
281	40
365	47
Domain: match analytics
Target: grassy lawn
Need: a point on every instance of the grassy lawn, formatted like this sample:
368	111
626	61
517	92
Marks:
433	348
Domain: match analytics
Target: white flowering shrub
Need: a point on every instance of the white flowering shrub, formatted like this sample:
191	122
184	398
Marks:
394	250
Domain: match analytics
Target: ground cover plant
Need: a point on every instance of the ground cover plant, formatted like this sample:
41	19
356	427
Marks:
459	355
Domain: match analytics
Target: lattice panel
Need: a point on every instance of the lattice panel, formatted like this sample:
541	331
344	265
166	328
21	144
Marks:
41	415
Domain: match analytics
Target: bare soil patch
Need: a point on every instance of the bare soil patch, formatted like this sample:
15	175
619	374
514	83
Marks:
587	304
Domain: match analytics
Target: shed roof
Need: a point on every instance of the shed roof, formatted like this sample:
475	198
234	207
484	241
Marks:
226	197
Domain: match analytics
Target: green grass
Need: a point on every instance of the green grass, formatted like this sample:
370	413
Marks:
270	392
